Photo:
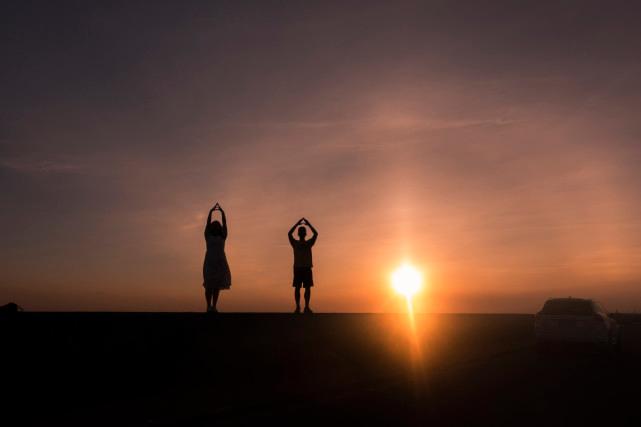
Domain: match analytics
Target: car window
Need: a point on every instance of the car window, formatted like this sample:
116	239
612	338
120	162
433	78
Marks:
569	307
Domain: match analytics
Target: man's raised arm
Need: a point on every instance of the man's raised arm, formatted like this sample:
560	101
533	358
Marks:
314	231
290	233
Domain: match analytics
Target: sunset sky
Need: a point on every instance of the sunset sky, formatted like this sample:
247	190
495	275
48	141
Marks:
495	147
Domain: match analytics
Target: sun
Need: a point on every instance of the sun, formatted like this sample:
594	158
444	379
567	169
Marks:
407	280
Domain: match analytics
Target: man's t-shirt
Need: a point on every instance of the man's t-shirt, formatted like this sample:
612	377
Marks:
302	252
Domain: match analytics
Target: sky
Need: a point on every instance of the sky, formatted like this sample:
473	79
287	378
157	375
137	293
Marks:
494	145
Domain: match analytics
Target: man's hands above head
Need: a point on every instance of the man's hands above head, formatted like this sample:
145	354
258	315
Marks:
309	224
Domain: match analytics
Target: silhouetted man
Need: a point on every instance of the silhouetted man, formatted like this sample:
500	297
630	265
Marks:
302	262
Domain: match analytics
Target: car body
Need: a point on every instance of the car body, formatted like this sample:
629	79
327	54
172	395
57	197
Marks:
575	320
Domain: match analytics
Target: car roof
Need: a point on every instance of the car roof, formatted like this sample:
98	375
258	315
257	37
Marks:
570	299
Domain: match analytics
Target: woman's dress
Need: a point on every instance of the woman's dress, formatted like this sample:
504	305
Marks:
216	273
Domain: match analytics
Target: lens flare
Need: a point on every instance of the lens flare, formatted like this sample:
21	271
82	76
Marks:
407	281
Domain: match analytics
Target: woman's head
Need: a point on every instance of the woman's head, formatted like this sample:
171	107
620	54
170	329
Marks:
215	228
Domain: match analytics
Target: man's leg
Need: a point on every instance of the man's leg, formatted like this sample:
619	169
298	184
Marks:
308	295
297	298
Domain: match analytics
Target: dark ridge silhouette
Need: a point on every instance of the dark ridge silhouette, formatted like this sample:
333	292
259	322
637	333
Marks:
193	369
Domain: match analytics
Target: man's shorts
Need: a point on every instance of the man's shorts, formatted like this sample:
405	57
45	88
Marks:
303	277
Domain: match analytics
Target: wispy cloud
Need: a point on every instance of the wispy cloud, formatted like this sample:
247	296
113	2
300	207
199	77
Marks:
397	122
40	166
291	124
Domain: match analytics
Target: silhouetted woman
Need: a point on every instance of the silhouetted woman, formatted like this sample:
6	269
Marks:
216	272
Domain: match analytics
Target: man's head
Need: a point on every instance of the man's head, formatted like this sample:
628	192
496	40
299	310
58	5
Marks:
302	232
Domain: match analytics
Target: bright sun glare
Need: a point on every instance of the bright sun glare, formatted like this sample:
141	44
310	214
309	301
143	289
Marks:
406	280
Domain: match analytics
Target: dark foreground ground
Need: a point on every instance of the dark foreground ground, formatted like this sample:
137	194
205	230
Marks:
326	369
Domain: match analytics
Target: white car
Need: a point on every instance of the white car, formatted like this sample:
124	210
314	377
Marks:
575	320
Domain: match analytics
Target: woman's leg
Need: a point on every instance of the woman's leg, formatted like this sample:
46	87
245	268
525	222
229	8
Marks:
208	297
214	298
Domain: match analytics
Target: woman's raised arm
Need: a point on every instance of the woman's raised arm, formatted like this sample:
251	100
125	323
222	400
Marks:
222	213
211	211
